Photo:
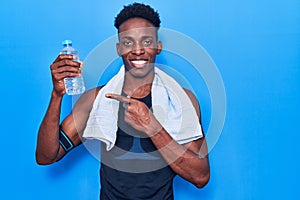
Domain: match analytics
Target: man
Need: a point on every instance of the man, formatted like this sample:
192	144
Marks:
182	153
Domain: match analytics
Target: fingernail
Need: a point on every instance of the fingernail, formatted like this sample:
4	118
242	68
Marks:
108	95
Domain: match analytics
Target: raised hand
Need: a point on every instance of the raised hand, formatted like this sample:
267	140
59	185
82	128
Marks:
64	66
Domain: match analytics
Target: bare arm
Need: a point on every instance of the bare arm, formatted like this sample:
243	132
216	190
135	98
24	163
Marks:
48	149
190	160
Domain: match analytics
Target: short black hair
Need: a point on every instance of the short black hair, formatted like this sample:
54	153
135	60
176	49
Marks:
137	10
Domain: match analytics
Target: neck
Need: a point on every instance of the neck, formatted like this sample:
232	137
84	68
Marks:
138	87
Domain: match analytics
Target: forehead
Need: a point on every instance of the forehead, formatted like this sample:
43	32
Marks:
137	27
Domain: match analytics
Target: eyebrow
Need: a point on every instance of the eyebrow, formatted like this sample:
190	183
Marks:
131	38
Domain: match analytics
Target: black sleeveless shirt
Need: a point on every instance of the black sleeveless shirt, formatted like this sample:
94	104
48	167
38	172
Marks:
133	168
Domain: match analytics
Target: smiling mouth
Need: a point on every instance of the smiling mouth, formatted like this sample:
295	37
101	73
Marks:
139	63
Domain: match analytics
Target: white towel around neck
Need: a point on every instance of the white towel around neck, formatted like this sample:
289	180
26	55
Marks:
170	104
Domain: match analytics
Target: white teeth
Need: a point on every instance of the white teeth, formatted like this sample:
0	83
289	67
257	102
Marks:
139	62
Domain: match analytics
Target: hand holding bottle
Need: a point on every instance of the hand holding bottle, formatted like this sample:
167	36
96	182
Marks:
66	71
63	67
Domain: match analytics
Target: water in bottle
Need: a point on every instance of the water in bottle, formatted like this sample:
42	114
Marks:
73	85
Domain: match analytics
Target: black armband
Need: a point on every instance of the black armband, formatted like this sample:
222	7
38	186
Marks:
65	141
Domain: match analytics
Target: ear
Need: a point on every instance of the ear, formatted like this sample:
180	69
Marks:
118	49
159	47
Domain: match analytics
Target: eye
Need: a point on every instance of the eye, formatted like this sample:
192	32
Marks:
147	43
128	43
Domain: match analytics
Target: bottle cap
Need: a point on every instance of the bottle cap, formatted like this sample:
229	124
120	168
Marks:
67	42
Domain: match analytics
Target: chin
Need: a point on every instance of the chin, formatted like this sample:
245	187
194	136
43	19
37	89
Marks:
140	72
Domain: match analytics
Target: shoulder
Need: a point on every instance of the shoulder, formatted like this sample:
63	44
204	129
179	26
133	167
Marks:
193	99
90	95
87	99
191	95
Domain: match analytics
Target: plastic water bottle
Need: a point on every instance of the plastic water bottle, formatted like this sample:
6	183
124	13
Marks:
73	85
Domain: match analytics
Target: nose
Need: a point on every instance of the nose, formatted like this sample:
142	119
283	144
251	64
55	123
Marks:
138	49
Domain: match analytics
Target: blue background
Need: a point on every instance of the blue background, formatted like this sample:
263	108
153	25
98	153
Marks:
255	45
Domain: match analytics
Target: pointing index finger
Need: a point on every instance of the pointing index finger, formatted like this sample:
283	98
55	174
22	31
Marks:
118	97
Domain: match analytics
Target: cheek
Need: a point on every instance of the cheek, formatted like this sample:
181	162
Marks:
152	52
124	51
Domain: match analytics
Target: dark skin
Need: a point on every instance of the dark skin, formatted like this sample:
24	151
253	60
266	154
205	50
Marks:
138	48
